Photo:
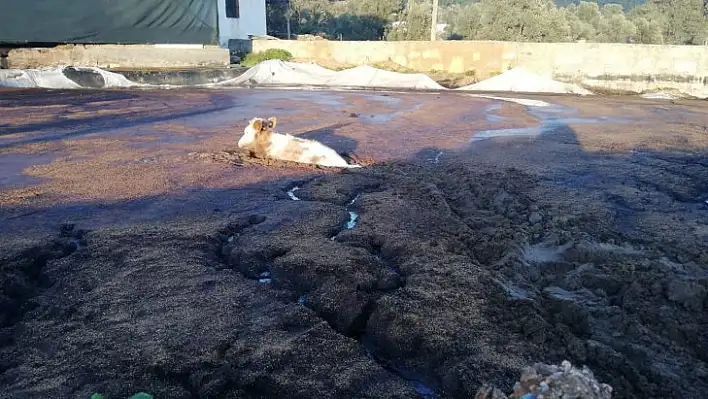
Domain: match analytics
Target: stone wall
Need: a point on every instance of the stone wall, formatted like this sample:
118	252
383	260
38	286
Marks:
599	66
120	56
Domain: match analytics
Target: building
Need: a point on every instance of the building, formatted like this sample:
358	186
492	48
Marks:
206	22
239	19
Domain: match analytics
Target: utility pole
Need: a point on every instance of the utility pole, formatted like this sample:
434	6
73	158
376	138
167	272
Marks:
434	22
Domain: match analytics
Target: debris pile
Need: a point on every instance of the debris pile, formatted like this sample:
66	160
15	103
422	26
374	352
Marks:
542	381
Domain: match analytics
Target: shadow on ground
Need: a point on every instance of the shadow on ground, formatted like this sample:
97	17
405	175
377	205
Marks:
93	123
460	269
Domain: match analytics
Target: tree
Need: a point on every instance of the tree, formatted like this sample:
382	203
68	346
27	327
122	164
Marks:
649	22
685	21
579	29
522	20
463	21
613	26
415	23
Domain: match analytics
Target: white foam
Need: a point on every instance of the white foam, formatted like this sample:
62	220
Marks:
520	80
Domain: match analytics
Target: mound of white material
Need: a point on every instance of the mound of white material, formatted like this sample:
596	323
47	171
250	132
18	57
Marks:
373	77
45	78
55	78
521	80
279	72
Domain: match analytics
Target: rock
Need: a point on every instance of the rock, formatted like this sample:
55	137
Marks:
489	392
687	293
543	381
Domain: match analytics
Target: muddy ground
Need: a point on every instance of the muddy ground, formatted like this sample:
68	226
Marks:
141	253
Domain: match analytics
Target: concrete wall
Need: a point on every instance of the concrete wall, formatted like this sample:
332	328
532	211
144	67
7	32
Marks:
252	21
608	66
120	56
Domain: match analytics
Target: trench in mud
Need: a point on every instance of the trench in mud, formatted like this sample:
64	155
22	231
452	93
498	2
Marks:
27	277
424	390
353	215
357	330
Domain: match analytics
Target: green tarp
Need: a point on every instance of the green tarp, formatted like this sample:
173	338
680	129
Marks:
108	21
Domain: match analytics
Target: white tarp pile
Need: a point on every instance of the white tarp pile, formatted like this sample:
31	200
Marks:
277	72
45	78
55	78
521	80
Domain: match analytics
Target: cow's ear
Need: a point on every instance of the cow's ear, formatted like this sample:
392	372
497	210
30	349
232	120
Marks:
273	121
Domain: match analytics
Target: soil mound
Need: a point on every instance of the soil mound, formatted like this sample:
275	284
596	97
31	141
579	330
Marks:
454	277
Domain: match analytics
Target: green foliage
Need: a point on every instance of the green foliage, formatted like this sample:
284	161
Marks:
621	21
270	54
415	23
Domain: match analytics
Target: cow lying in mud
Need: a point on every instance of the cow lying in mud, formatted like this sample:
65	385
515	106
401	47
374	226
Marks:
260	139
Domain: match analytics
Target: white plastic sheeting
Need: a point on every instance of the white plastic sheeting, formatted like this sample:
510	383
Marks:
521	80
523	101
661	95
45	78
54	78
277	72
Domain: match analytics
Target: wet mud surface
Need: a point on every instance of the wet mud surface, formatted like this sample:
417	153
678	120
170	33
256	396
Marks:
131	261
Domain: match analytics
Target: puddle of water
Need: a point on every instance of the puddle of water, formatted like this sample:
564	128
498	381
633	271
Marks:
353	216
291	193
416	380
490	117
264	278
523	101
552	117
424	391
13	166
381	118
388	100
356	197
487	134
